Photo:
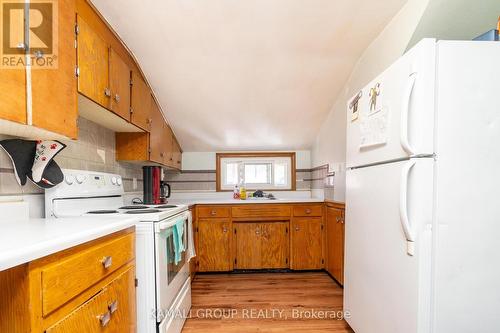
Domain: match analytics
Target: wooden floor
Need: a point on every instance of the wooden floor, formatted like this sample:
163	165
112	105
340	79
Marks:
266	302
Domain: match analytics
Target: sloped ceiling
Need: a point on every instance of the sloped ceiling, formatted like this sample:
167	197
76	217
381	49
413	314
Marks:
247	74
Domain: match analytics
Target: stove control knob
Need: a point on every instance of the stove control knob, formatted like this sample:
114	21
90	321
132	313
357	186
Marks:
69	179
80	179
119	182
113	180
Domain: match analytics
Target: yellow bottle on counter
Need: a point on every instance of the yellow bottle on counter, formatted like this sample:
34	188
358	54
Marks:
243	193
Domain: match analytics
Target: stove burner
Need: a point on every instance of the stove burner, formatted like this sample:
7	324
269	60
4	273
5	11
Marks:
103	211
143	211
134	207
165	206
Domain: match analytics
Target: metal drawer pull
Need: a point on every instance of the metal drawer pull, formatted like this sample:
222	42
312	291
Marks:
107	261
105	318
297	228
224	229
113	307
213	213
107	92
257	232
117	98
308	211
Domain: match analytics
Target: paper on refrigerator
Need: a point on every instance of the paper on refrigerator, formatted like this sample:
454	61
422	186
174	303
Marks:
374	127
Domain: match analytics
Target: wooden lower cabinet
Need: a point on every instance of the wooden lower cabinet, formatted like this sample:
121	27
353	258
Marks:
261	245
275	245
306	243
112	309
263	236
335	231
214	245
87	288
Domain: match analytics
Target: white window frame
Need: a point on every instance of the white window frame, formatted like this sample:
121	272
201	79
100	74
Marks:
242	159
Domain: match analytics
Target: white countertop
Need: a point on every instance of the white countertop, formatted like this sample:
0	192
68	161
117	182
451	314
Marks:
27	240
219	201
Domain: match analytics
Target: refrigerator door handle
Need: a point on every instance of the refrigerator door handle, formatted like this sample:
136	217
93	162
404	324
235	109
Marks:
403	206
404	114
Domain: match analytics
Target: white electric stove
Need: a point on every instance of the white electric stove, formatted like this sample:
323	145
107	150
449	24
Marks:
164	286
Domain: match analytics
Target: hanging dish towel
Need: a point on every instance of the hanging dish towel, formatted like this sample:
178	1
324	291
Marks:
178	240
190	251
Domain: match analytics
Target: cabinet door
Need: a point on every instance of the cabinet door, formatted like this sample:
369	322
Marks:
338	250
169	148
274	245
335	243
119	83
177	155
157	149
141	102
214	245
93	62
306	243
111	310
247	245
54	96
13	95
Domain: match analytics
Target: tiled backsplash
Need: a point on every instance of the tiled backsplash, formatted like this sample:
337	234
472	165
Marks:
94	150
204	180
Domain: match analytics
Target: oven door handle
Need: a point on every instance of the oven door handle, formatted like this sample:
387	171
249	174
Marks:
170	223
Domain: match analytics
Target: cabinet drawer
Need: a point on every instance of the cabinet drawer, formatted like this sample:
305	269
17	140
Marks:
213	211
307	210
256	211
73	274
111	310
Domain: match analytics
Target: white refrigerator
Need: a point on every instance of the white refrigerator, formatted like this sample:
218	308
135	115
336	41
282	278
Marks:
423	194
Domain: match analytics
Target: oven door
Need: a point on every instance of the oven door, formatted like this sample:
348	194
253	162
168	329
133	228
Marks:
170	276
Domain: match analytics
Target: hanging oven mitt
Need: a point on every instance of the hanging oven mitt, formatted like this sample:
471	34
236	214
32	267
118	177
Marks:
22	155
45	152
52	176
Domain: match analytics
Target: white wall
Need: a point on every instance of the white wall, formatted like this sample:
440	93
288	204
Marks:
329	147
206	160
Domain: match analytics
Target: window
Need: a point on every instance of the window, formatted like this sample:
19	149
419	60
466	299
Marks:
256	171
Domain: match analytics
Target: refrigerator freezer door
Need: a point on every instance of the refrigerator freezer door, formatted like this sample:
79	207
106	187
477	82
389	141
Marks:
396	111
467	270
388	247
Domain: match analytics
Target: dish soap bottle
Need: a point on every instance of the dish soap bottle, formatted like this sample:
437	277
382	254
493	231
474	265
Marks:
243	192
236	192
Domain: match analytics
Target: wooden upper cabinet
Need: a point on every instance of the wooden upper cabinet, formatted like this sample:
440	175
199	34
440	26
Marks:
335	243
54	96
214	244
141	102
307	245
156	135
119	84
169	146
53	89
93	63
13	95
177	154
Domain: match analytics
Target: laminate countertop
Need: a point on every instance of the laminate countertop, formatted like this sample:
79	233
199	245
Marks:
22	241
218	201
